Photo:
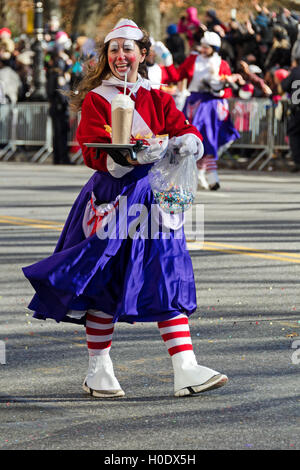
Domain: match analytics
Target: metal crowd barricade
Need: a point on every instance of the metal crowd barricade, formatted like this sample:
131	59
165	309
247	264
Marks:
280	139
29	124
253	119
5	128
76	157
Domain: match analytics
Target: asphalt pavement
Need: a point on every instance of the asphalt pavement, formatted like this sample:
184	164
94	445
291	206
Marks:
247	326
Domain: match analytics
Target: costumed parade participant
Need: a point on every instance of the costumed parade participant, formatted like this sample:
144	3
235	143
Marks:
158	74
206	107
98	281
162	73
173	51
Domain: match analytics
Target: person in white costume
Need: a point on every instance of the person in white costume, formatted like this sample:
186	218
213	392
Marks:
205	103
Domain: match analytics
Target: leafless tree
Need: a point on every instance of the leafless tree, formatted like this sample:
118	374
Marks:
147	15
85	16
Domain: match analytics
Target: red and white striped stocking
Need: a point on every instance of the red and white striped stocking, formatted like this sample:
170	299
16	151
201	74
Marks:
208	175
99	332
176	334
207	163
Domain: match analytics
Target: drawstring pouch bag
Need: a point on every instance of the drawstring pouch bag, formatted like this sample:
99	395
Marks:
174	181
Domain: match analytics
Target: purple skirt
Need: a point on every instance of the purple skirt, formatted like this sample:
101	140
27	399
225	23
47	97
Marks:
210	115
132	278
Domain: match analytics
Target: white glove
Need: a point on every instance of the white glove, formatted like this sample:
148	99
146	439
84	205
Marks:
188	144
163	52
152	153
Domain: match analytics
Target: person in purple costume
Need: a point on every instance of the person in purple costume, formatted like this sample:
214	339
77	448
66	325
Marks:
207	107
103	272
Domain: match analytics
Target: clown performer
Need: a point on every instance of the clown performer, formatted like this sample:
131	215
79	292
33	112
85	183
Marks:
99	281
162	73
206	107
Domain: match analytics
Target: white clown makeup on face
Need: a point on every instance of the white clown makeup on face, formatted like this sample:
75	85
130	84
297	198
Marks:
124	56
129	44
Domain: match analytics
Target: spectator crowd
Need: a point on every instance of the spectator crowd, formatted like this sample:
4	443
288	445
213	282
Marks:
260	51
266	42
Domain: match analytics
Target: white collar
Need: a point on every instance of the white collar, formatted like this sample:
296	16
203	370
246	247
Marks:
141	82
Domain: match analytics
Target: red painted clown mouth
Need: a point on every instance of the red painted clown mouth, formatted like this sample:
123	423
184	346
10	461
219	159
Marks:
122	68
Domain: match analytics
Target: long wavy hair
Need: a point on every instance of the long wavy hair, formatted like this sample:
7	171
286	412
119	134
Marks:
100	70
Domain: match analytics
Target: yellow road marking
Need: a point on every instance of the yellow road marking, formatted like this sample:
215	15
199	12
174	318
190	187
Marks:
209	246
290	324
257	250
48	222
31	223
253	254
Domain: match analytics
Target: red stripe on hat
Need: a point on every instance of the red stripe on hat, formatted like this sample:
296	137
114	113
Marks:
125	26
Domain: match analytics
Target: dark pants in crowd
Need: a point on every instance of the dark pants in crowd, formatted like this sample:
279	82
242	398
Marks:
60	126
293	131
295	148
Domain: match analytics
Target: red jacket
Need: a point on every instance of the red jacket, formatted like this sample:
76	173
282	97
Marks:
186	70
156	107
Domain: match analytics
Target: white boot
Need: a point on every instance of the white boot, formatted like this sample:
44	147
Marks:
190	378
212	179
202	180
100	380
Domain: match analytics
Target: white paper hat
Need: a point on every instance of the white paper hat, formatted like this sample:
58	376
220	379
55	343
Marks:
211	39
125	29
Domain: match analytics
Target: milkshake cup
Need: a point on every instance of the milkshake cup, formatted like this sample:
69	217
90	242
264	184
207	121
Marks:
122	108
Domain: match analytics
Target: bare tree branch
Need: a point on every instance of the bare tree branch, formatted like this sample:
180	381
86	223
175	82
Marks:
147	16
